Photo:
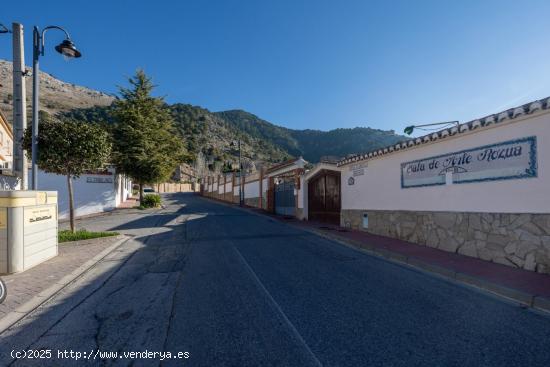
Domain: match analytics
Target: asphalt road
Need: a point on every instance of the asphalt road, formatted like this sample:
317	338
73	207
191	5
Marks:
237	289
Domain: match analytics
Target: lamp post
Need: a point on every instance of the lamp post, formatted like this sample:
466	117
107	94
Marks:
409	129
69	51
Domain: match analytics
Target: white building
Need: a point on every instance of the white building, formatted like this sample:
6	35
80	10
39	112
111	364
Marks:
480	189
6	145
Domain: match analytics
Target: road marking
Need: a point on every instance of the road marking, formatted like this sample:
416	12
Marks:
278	309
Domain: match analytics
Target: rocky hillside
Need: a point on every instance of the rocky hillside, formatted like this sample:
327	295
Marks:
211	133
55	95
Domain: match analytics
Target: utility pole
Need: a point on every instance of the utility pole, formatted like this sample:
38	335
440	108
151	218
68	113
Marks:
20	168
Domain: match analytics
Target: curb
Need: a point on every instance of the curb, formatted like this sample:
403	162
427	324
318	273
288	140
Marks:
20	312
523	298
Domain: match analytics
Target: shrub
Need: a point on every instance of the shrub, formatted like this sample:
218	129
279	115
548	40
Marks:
82	234
151	201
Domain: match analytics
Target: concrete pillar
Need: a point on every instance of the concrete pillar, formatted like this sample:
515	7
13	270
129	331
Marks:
260	199
270	195
243	181
224	187
19	106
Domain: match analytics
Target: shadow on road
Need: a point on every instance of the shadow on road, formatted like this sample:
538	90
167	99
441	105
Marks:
121	304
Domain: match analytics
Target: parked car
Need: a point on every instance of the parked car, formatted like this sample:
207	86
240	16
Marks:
148	190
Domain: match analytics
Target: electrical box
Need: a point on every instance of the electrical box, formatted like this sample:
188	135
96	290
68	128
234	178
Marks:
28	229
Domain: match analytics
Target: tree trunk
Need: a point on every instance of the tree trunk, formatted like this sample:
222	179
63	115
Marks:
71	202
140	193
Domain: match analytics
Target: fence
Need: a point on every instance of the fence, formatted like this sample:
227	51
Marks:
176	187
257	189
228	187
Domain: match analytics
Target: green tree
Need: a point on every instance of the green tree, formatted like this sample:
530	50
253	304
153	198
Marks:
70	148
146	145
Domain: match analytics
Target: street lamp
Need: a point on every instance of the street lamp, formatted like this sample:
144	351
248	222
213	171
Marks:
69	51
4	29
409	129
238	143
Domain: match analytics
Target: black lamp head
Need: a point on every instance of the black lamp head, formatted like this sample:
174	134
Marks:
68	49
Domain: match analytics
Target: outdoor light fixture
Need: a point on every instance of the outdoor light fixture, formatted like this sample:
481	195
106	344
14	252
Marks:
69	51
4	29
409	129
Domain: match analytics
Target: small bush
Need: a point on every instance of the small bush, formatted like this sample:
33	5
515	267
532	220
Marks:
151	201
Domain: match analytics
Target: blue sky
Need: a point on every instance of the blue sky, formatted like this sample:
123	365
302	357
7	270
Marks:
308	64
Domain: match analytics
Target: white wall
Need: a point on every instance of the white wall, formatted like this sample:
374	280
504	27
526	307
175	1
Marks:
89	197
228	187
264	187
300	193
123	189
252	189
380	187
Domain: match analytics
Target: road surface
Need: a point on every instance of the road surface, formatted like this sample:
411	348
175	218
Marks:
224	287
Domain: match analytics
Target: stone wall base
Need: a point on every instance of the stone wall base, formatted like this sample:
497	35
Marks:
517	240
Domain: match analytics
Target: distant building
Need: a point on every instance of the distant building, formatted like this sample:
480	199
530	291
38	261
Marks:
6	145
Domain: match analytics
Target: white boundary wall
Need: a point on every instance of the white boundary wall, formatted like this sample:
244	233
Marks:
380	187
252	189
92	194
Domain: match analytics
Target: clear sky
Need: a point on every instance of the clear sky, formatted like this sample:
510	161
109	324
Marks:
307	64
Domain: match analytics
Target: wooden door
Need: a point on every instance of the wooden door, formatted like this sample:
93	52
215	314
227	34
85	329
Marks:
324	199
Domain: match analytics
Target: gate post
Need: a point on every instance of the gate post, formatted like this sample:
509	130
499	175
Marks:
297	173
242	200
261	195
270	195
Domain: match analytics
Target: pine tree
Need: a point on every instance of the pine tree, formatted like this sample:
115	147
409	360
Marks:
146	146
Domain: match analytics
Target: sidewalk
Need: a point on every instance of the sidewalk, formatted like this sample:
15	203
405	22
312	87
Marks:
129	203
28	289
525	287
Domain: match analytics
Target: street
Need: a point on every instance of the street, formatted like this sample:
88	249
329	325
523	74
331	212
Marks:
232	288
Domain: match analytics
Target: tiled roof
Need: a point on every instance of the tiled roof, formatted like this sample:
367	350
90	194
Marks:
510	114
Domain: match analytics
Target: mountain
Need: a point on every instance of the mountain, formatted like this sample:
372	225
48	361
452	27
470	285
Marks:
312	144
55	95
212	133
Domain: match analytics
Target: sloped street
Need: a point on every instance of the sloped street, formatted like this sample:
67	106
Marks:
232	288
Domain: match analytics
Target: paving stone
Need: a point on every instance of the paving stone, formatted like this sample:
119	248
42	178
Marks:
23	287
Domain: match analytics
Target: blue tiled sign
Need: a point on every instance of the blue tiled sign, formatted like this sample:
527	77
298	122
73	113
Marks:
511	159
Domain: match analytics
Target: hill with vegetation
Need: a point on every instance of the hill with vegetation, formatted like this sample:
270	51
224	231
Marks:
211	133
312	144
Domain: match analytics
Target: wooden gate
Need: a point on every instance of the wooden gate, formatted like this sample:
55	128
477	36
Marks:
324	199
